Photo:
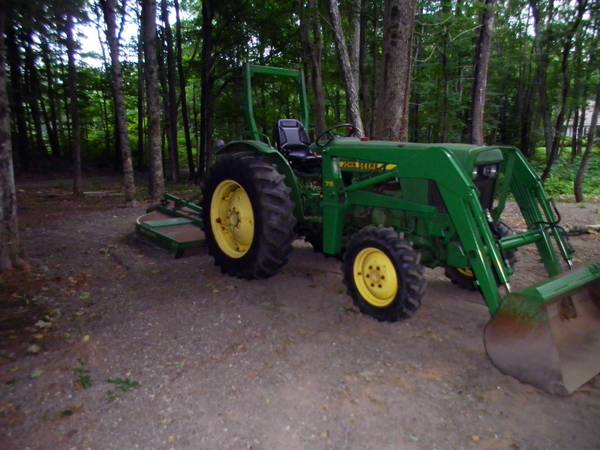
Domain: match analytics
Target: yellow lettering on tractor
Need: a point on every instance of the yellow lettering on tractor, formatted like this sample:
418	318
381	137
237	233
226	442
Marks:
366	166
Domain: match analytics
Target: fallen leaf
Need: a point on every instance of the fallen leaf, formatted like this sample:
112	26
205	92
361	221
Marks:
43	324
7	408
34	349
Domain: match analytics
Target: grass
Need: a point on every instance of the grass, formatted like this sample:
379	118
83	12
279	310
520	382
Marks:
122	385
560	183
82	375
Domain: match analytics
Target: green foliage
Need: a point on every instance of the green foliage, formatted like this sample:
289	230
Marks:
268	32
124	384
560	183
82	375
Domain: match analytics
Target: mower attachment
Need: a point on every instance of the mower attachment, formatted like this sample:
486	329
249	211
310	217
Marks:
548	335
174	224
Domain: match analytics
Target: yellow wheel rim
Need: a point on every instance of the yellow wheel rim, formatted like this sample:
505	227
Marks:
375	277
465	272
232	218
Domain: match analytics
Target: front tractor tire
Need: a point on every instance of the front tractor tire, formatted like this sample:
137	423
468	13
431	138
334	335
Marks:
248	216
383	275
464	277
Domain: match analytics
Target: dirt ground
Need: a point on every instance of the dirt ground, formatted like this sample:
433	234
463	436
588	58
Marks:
110	343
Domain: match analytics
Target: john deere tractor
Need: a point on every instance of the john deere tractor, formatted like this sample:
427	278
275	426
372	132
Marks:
390	209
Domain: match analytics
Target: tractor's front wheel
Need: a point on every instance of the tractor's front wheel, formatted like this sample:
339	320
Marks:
465	278
248	216
383	274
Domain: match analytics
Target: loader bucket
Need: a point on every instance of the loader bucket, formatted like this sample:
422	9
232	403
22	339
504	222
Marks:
548	335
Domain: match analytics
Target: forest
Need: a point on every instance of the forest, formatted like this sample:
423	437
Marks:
166	85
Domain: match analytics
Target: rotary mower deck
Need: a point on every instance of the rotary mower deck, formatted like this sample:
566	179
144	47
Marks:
175	225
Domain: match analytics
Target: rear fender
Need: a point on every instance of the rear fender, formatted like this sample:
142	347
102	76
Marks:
274	156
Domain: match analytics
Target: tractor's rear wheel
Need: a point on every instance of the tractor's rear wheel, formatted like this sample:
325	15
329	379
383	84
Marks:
465	278
248	216
382	274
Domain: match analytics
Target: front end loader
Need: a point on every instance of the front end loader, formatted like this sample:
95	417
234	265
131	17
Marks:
389	210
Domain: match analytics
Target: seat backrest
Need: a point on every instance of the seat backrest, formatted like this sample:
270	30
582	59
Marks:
291	135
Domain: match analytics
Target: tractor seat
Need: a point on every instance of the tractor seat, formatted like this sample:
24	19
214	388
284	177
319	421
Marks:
293	142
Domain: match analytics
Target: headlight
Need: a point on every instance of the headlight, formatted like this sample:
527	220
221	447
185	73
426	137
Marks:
489	171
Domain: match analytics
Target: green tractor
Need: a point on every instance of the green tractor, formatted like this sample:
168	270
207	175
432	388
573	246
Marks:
389	209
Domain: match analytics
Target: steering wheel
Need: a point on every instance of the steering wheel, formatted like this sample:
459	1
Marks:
327	136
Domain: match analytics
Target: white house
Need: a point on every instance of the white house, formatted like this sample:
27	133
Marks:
587	123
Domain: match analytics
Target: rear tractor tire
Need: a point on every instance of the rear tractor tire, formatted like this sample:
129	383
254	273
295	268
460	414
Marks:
465	278
248	216
383	275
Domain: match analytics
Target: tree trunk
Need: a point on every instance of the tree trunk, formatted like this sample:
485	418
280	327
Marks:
53	128
106	123
171	95
526	108
364	85
34	94
207	87
587	154
413	131
74	109
391	118
355	38
140	100
375	79
577	100
345	65
482	59
195	120
105	95
108	7
443	120
164	90
157	183
20	138
574	133
66	109
10	247
581	127
542	37
312	40
564	67
184	107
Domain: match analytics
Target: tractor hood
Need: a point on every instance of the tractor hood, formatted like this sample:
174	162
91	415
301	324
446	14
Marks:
388	152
